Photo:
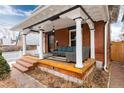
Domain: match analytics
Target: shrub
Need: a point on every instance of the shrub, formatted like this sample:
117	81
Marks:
4	67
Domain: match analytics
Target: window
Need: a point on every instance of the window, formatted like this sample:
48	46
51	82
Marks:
72	37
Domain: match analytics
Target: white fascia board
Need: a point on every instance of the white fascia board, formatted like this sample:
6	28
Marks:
74	14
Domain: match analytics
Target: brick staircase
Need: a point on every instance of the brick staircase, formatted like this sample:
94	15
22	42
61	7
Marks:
25	63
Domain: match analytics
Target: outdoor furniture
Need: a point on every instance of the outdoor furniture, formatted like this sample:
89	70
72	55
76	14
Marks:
61	51
71	56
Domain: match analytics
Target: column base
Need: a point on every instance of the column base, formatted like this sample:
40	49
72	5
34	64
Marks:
92	57
24	54
41	57
79	66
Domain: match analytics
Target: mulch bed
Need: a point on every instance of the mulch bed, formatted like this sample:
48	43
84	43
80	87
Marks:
8	83
98	78
50	80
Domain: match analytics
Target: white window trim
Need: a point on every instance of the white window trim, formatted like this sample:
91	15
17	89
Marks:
73	30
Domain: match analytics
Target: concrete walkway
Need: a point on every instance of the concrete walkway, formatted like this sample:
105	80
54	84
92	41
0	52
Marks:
14	55
25	81
117	75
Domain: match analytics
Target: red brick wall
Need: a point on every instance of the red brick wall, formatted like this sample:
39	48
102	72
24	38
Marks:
99	40
62	36
86	35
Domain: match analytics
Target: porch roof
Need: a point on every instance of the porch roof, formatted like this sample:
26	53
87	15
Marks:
49	13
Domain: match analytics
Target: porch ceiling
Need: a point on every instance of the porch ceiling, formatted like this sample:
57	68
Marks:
58	24
96	12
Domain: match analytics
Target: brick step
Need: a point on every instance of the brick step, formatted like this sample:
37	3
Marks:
28	60
25	64
20	67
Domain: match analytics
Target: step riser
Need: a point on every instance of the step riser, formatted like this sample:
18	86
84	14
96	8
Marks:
24	64
20	68
31	68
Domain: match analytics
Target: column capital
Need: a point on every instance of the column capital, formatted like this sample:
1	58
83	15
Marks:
25	32
41	30
92	29
78	18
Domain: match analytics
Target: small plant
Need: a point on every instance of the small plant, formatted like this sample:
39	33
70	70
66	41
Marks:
4	67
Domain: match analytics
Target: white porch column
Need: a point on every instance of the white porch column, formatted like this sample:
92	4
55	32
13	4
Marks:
40	48
105	44
79	61
92	43
24	44
43	42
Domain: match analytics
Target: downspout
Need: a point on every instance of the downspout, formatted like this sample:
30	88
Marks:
106	38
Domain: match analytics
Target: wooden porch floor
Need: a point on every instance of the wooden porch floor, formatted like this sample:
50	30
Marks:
64	67
67	66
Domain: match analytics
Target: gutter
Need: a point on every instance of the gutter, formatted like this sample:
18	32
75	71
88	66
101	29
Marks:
106	38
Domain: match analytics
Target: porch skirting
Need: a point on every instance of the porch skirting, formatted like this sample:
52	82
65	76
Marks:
66	77
67	70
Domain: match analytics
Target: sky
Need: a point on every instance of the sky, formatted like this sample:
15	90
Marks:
11	15
116	28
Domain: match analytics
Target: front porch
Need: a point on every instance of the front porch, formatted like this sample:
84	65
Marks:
52	35
62	69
